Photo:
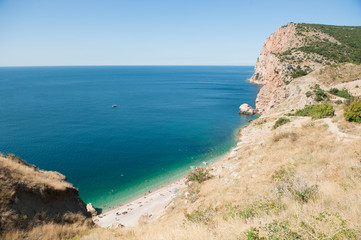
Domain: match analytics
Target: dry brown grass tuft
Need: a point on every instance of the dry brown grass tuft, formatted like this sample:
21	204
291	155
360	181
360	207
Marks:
285	135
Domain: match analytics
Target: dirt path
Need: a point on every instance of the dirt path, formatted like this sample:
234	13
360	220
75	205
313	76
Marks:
335	130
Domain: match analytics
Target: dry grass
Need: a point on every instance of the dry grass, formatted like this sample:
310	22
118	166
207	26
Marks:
346	72
24	173
77	227
292	136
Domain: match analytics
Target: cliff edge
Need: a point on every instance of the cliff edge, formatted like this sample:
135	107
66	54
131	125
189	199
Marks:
30	196
294	51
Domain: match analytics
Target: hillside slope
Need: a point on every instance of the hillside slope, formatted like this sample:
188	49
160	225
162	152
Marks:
29	196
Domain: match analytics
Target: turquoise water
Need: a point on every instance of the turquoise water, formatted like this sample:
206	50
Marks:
168	118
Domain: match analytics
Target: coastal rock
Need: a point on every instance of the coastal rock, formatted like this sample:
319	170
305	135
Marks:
246	109
91	209
269	70
275	74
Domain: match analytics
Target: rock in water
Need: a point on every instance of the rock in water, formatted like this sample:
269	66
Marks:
246	109
91	209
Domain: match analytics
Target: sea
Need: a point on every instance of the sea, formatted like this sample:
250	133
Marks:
166	119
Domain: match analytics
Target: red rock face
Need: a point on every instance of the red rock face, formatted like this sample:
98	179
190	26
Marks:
269	71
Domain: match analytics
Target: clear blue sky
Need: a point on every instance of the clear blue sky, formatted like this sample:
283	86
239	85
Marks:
153	32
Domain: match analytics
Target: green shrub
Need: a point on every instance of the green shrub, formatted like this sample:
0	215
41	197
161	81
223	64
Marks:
316	111
338	102
283	174
299	72
281	121
320	93
199	175
341	93
302	191
308	94
352	112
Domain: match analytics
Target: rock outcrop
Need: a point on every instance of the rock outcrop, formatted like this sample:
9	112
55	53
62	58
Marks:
30	196
268	69
246	109
91	209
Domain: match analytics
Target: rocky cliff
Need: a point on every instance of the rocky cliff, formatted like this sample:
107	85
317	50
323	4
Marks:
29	196
269	71
293	51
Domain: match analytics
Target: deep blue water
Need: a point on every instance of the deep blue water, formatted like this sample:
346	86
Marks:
168	118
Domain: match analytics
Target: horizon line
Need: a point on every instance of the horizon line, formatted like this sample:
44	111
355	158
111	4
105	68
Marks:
135	65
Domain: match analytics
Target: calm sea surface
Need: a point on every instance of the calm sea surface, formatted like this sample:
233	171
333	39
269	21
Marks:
168	118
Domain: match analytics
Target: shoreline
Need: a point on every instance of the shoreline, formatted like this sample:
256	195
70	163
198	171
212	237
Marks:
152	205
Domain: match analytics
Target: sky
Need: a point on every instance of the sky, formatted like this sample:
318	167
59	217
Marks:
153	32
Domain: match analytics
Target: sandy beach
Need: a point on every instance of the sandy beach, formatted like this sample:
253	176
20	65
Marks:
152	204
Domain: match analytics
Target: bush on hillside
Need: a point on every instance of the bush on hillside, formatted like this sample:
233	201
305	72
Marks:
338	102
341	93
316	111
281	121
352	112
308	94
320	93
299	72
199	175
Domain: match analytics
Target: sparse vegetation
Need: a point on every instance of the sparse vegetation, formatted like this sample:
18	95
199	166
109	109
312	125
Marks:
352	112
255	209
260	121
299	72
281	121
201	216
348	48
199	175
293	186
317	227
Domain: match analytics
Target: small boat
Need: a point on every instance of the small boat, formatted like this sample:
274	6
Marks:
115	105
